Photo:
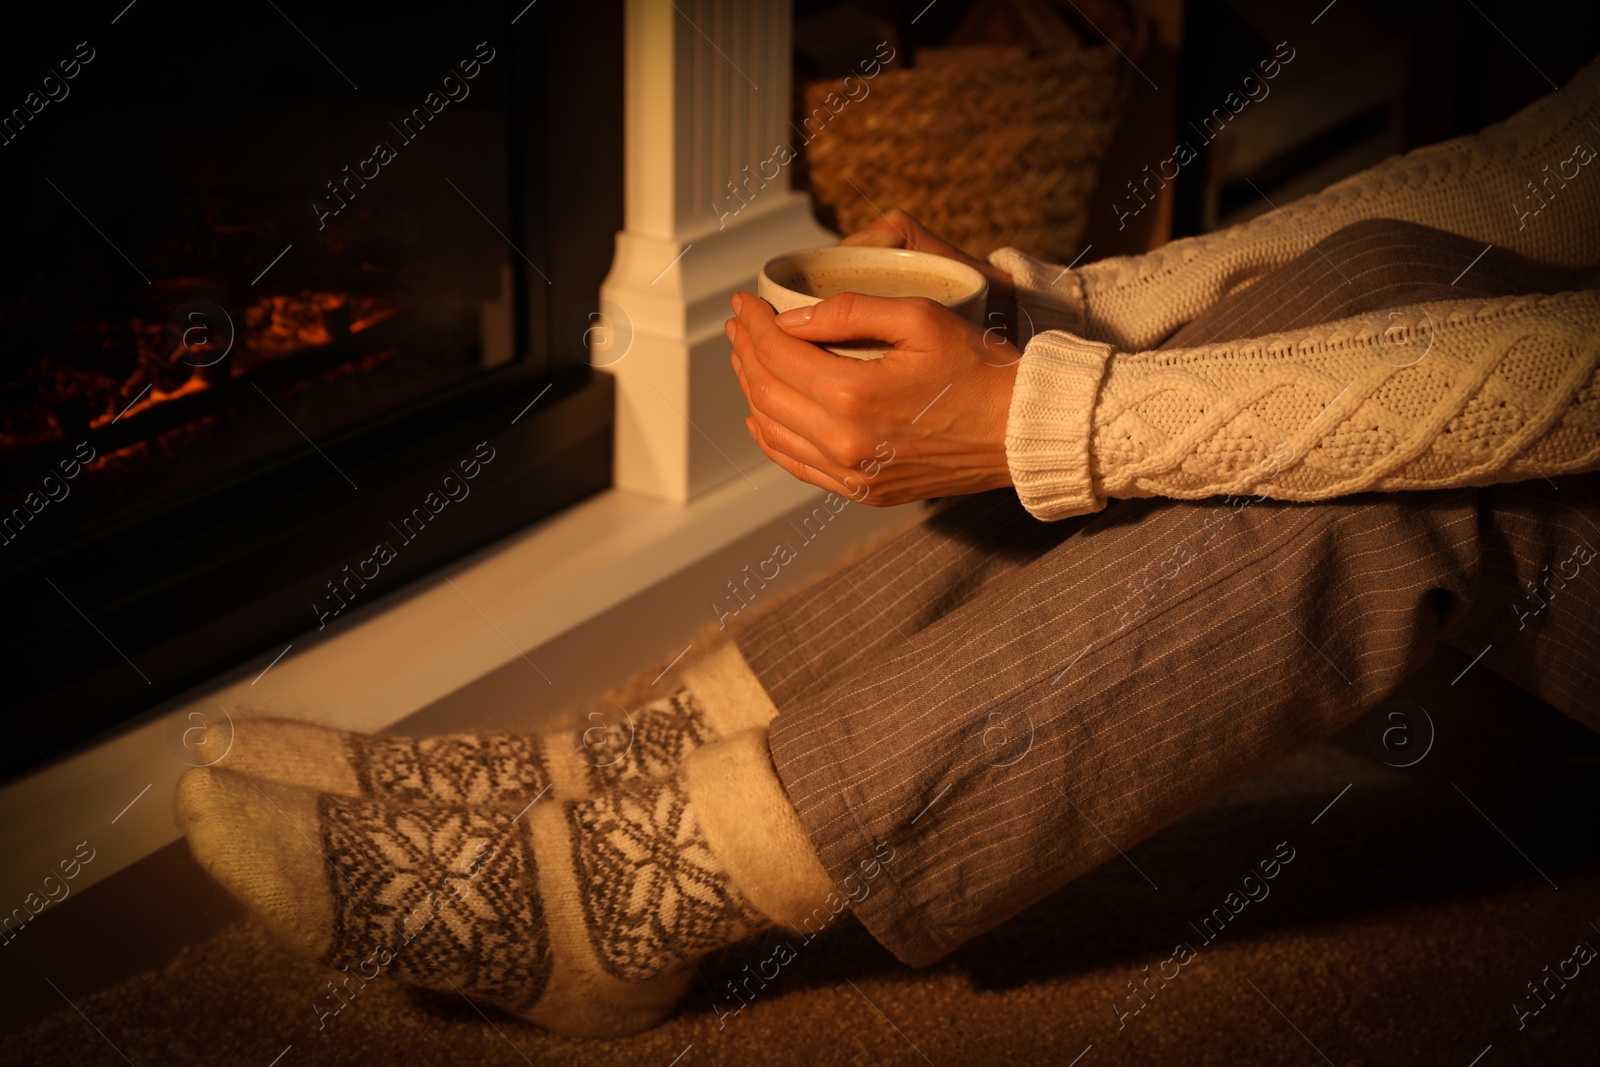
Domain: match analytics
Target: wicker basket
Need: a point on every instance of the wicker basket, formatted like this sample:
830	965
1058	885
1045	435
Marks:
987	146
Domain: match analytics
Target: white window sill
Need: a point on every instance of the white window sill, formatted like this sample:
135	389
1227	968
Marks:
399	655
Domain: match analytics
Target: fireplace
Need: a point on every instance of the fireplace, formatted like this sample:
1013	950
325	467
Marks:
295	309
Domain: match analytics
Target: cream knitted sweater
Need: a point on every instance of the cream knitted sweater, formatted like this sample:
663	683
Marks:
1507	389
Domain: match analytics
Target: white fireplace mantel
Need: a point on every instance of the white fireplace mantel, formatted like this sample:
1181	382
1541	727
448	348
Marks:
708	94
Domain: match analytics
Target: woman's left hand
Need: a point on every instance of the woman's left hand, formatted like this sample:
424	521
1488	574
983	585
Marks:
926	420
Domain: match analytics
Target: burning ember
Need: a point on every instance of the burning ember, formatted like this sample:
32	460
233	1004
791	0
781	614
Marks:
115	370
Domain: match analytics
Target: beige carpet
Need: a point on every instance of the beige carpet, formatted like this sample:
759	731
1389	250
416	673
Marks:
1403	931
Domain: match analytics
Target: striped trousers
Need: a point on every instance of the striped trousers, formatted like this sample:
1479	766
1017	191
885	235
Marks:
1007	703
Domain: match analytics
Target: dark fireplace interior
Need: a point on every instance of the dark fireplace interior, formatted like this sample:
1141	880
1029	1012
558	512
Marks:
290	296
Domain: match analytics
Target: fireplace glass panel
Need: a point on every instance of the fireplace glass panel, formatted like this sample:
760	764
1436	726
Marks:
220	247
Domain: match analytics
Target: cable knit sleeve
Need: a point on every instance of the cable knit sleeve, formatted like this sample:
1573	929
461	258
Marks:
1530	184
1505	390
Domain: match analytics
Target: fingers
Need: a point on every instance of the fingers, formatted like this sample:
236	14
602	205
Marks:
904	321
770	397
874	238
893	230
915	234
803	471
782	439
797	363
795	440
897	229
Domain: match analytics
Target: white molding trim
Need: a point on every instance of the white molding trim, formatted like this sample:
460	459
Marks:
708	86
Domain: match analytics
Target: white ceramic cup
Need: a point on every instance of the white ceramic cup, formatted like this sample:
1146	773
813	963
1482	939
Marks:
782	283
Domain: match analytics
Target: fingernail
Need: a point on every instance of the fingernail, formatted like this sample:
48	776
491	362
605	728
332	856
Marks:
738	302
795	317
727	328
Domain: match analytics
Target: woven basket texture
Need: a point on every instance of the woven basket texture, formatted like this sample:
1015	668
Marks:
986	145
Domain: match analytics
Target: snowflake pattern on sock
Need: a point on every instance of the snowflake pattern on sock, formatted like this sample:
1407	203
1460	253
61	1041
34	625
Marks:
663	733
436	896
454	769
653	893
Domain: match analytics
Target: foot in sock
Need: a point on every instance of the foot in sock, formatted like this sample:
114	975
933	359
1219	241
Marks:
584	916
604	750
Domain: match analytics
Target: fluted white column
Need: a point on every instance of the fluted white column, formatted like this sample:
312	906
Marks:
707	202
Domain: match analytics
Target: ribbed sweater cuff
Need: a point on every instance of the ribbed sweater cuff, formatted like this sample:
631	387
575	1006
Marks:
1051	424
1048	298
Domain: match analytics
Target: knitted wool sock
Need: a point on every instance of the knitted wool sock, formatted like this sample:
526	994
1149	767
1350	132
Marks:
719	697
585	916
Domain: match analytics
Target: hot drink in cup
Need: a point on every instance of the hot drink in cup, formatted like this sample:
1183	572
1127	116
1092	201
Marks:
800	279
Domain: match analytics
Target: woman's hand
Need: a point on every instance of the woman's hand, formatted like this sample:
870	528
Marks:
896	229
926	420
